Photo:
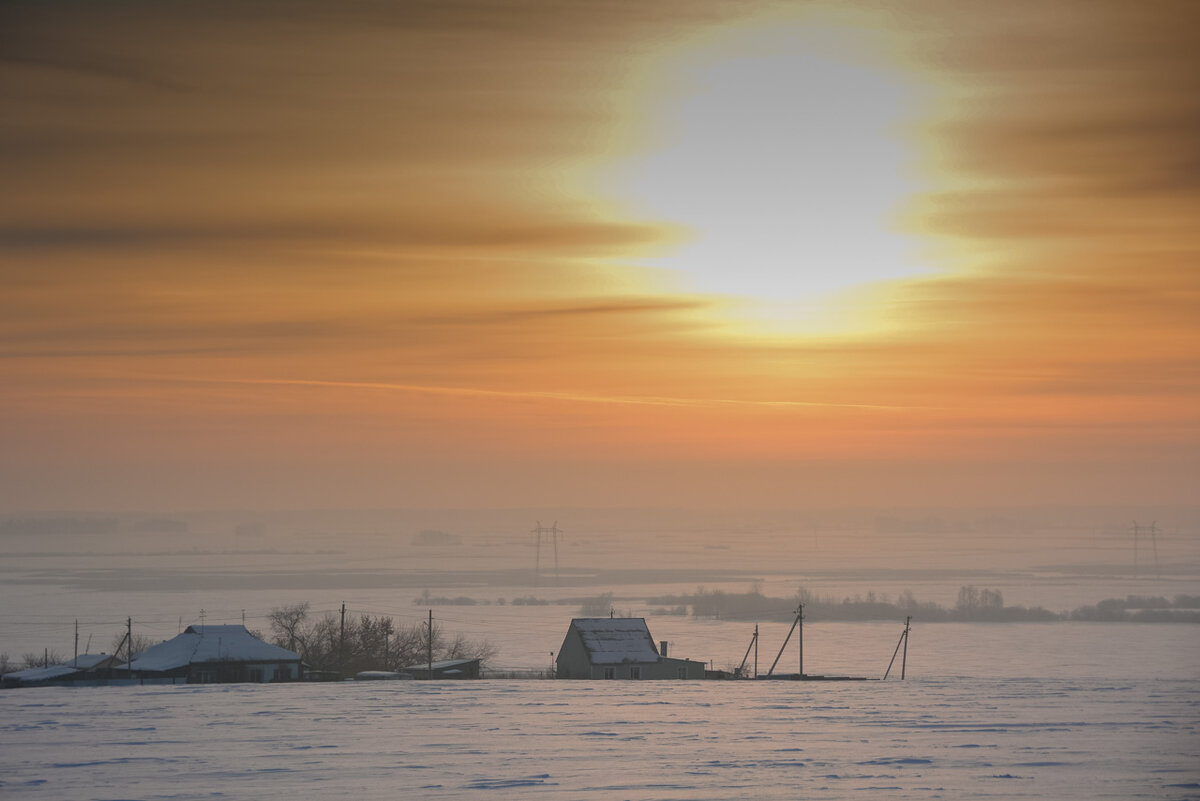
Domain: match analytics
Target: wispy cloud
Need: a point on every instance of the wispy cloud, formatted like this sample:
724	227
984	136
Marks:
565	397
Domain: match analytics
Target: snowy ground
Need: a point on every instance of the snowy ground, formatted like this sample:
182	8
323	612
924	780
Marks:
926	738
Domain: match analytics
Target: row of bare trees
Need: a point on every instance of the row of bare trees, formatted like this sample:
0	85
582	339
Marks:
352	643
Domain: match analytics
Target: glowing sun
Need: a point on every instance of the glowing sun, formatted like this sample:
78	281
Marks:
778	149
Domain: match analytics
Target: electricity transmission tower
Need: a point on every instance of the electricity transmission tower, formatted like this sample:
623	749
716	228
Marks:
550	535
1152	532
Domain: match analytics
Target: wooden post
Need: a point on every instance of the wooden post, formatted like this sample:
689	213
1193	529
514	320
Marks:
756	650
342	646
430	646
800	622
75	663
129	641
904	659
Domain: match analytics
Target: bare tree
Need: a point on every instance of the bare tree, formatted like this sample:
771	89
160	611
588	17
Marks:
137	646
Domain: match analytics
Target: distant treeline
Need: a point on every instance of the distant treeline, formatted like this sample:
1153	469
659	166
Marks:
974	605
57	525
91	526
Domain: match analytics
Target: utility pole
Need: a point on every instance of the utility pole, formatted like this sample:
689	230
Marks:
429	646
129	640
903	639
75	663
1154	546
342	645
756	650
800	631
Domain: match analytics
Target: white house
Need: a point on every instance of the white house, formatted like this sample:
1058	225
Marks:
216	654
618	648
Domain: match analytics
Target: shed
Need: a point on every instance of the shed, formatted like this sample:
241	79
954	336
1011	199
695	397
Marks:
618	648
445	669
217	654
83	668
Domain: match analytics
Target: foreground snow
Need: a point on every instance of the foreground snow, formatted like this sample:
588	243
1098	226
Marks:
930	738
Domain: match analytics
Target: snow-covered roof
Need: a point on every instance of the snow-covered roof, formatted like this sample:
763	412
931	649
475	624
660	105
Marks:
88	661
211	644
613	640
440	664
40	674
82	662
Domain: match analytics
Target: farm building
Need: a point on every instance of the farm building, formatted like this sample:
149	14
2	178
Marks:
618	648
216	654
85	668
445	669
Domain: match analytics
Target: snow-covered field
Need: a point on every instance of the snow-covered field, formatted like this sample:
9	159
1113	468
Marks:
953	738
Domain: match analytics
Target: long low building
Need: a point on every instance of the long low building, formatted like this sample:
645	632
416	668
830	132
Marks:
83	669
618	648
216	655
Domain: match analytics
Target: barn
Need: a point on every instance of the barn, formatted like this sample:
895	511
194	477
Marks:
216	655
618	648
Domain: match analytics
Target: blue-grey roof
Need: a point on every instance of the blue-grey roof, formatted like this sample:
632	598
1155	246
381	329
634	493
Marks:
614	640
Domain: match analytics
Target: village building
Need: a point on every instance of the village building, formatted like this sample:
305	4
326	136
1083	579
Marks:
445	669
216	655
81	670
618	648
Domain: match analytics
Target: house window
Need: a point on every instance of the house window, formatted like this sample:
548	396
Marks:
205	677
256	675
682	673
635	673
610	673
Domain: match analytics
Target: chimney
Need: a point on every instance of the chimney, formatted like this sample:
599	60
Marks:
662	647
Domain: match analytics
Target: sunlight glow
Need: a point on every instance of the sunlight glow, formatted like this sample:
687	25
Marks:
778	149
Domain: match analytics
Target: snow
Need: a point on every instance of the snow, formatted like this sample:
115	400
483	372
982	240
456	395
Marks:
612	641
952	738
226	643
82	662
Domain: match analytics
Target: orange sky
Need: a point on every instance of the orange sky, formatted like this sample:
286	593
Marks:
289	255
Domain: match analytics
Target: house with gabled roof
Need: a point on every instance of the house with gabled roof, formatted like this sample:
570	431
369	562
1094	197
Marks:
216	654
618	648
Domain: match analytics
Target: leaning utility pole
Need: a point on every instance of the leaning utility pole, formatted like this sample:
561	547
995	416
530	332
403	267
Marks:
795	623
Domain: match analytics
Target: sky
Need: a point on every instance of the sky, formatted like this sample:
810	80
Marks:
605	254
